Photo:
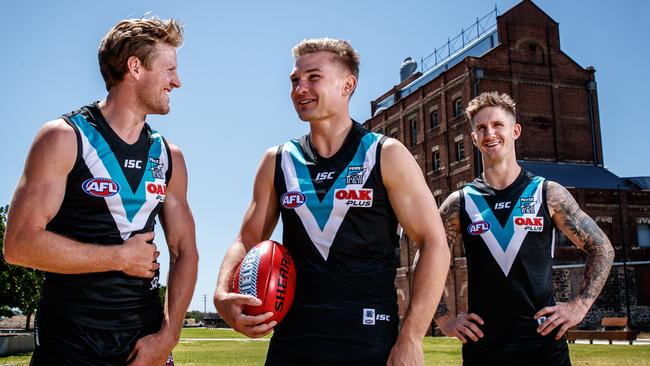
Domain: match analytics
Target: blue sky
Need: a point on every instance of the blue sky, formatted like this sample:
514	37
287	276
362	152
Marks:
235	63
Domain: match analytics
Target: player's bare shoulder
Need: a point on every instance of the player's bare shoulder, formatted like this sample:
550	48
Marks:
54	139
451	206
559	200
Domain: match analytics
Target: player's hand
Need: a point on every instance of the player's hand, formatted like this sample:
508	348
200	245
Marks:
563	314
138	257
152	350
463	327
406	352
230	307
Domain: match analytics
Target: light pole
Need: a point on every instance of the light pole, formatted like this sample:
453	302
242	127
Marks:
623	244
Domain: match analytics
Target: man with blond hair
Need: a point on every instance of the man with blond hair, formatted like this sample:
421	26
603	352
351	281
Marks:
354	187
85	208
505	221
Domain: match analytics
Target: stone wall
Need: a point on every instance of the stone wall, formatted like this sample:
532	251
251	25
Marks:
612	300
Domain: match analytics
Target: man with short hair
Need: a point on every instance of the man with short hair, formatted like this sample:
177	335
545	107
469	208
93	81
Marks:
354	187
85	208
505	219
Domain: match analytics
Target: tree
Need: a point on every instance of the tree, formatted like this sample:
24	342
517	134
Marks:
5	286
162	290
20	287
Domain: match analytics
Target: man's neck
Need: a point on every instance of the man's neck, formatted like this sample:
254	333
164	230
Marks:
327	136
121	114
500	175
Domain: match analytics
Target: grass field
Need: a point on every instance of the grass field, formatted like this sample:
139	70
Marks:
193	350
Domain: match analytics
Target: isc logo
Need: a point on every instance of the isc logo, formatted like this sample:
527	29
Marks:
501	205
129	163
355	197
535	224
293	199
325	175
100	187
478	227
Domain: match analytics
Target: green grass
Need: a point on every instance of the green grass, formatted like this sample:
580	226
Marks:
437	351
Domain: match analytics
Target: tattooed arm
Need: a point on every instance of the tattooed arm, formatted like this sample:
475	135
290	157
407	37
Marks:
463	326
586	235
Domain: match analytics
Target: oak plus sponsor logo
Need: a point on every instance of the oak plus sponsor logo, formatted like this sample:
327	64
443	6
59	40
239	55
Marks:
293	199
355	197
100	187
478	227
156	190
535	224
355	174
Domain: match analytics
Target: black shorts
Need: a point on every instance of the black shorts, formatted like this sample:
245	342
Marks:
65	343
543	351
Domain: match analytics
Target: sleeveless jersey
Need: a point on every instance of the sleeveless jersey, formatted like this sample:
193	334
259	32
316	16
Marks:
114	191
342	233
508	238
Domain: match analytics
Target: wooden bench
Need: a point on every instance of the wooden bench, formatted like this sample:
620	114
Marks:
612	329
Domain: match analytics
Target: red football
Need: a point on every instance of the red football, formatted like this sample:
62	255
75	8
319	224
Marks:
268	273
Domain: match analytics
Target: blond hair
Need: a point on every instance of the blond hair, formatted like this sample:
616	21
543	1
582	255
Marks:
490	99
342	49
135	37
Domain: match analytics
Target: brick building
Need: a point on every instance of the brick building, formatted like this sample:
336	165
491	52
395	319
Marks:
519	53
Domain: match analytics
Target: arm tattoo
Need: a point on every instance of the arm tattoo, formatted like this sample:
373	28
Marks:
442	309
586	235
450	213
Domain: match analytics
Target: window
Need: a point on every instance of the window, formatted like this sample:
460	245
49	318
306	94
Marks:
458	107
435	161
434	119
643	235
460	150
536	54
414	131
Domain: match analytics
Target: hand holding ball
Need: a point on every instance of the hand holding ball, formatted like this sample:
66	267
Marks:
268	273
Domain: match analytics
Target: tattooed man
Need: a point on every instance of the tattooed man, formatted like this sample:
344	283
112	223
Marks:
505	220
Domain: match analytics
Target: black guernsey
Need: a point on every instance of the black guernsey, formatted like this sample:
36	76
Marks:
342	233
508	240
114	191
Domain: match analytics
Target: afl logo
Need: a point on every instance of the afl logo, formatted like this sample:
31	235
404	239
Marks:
100	187
478	227
293	199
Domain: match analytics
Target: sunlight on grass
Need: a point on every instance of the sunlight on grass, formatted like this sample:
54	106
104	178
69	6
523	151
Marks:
238	350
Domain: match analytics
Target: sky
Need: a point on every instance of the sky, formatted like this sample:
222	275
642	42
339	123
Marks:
235	64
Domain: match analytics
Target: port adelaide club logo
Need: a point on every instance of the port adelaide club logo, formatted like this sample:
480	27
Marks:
100	187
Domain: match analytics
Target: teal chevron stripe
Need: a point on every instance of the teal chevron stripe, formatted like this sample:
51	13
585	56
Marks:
322	209
132	201
502	234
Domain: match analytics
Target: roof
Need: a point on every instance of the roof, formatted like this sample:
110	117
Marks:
577	175
643	182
